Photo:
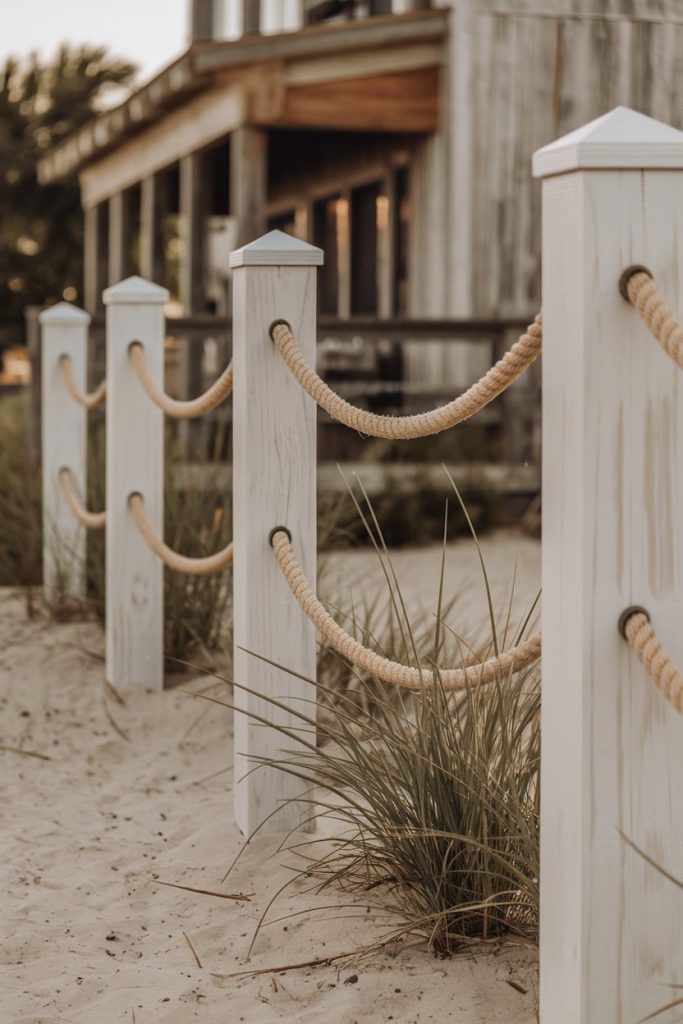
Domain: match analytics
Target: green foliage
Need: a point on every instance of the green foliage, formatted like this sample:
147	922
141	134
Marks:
41	227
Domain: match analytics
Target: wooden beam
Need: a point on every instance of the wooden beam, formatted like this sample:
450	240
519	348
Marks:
191	282
198	123
386	103
95	257
397	59
153	207
317	41
119	237
248	182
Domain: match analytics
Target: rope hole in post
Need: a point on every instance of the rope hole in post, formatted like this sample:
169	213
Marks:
634	609
279	529
279	323
635	268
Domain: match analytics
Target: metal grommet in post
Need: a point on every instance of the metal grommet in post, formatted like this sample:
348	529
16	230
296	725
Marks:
635	268
279	529
275	323
634	609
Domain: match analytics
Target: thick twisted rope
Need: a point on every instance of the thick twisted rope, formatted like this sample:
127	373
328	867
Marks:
382	668
92	520
178	409
88	399
181	563
496	380
639	288
642	640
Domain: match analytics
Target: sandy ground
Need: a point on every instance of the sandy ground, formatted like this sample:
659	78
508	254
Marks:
130	797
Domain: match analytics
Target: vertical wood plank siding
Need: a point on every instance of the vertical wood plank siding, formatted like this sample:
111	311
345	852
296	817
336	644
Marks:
539	69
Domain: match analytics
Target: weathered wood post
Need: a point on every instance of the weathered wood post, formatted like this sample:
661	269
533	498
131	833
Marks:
135	462
64	438
274	463
611	931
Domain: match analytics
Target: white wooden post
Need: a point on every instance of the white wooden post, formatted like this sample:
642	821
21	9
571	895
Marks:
64	426
611	926
274	471
135	462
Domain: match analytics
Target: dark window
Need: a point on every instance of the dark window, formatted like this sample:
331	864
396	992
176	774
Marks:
133	199
169	182
364	249
377	7
216	173
325	236
401	216
283	222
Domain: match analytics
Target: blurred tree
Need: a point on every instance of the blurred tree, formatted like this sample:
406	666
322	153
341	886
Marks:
41	227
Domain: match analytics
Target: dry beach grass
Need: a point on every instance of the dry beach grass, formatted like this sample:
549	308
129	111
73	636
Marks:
136	794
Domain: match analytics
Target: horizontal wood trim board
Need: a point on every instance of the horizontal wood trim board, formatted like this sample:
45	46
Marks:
363	33
406	102
474	330
367	62
183	131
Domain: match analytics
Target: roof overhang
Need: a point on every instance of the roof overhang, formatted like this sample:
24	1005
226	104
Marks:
347	75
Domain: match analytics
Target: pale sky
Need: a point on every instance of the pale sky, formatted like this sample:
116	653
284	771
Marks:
149	32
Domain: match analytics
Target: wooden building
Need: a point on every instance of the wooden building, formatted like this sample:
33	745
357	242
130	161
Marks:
395	135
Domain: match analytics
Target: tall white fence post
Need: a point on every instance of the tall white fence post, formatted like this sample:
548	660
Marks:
135	463
64	425
611	926
274	483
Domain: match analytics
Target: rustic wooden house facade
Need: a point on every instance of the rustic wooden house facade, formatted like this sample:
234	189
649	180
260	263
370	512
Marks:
395	135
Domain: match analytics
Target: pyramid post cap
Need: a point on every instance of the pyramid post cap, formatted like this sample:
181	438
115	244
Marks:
64	314
135	290
276	249
623	139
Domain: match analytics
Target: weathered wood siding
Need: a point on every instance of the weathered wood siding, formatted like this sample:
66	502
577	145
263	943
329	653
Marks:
521	73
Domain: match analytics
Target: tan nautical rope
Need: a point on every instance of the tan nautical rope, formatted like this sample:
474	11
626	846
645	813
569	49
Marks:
88	399
93	520
496	380
642	640
181	563
383	668
639	288
177	408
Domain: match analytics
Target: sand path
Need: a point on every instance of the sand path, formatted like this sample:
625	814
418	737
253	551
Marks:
87	933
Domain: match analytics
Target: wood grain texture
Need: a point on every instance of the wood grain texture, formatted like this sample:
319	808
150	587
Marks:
405	102
200	121
135	462
523	72
274	445
611	931
64	330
